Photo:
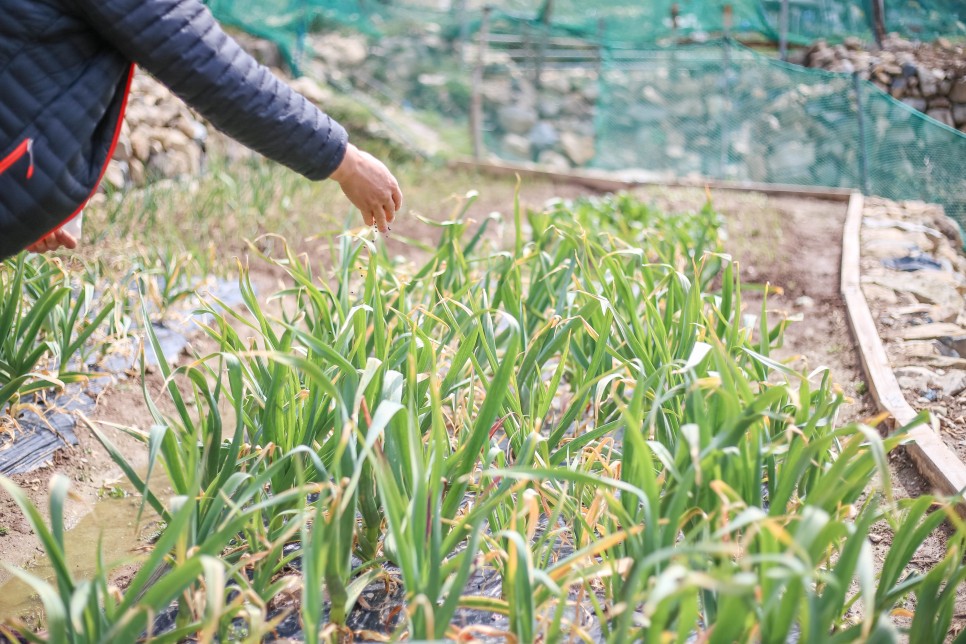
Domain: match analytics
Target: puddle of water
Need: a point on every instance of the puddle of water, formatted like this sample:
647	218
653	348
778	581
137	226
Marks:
111	526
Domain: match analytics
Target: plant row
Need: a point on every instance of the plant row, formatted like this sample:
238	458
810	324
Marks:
590	413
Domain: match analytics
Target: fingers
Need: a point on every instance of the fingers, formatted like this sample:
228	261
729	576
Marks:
45	245
53	241
368	218
65	239
390	214
380	217
396	196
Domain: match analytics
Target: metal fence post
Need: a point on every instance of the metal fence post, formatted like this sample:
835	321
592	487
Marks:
462	20
476	106
675	12
878	21
546	15
783	31
726	89
863	149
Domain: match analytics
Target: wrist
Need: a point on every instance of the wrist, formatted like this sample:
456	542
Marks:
348	165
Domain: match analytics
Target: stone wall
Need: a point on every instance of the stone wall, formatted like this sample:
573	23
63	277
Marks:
160	137
929	77
552	123
665	112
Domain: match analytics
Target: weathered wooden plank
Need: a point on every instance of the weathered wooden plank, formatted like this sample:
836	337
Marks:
601	181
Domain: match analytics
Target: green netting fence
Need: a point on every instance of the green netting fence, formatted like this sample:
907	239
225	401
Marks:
723	111
713	109
627	22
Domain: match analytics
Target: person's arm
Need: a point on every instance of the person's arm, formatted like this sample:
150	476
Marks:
182	45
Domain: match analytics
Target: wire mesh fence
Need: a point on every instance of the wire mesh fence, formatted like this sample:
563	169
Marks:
723	111
711	109
627	22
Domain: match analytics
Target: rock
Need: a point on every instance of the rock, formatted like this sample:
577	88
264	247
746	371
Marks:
898	87
651	95
579	149
943	115
590	92
549	106
543	135
805	302
959	114
497	91
575	105
949	229
173	140
956	344
928	82
138	177
958	92
555	82
922	380
553	160
124	150
793	159
264	51
140	145
516	146
931	331
310	90
339	51
917	379
844	66
931	287
918	104
516	119
879	294
921	353
115	174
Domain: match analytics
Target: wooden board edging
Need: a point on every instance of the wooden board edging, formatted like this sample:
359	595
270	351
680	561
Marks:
932	457
601	181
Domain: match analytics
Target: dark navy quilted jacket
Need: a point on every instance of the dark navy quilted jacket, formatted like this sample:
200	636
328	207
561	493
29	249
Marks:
65	69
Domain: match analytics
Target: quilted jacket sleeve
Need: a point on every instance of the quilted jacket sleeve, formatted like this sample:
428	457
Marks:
182	45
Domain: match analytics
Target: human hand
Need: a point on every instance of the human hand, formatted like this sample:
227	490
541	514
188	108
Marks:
53	241
370	186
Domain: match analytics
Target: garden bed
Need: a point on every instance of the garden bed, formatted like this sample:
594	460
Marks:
464	375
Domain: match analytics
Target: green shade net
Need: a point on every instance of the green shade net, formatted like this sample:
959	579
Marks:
713	110
723	111
627	22
911	156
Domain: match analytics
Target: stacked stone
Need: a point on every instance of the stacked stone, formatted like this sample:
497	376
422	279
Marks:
552	124
929	77
160	137
914	278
